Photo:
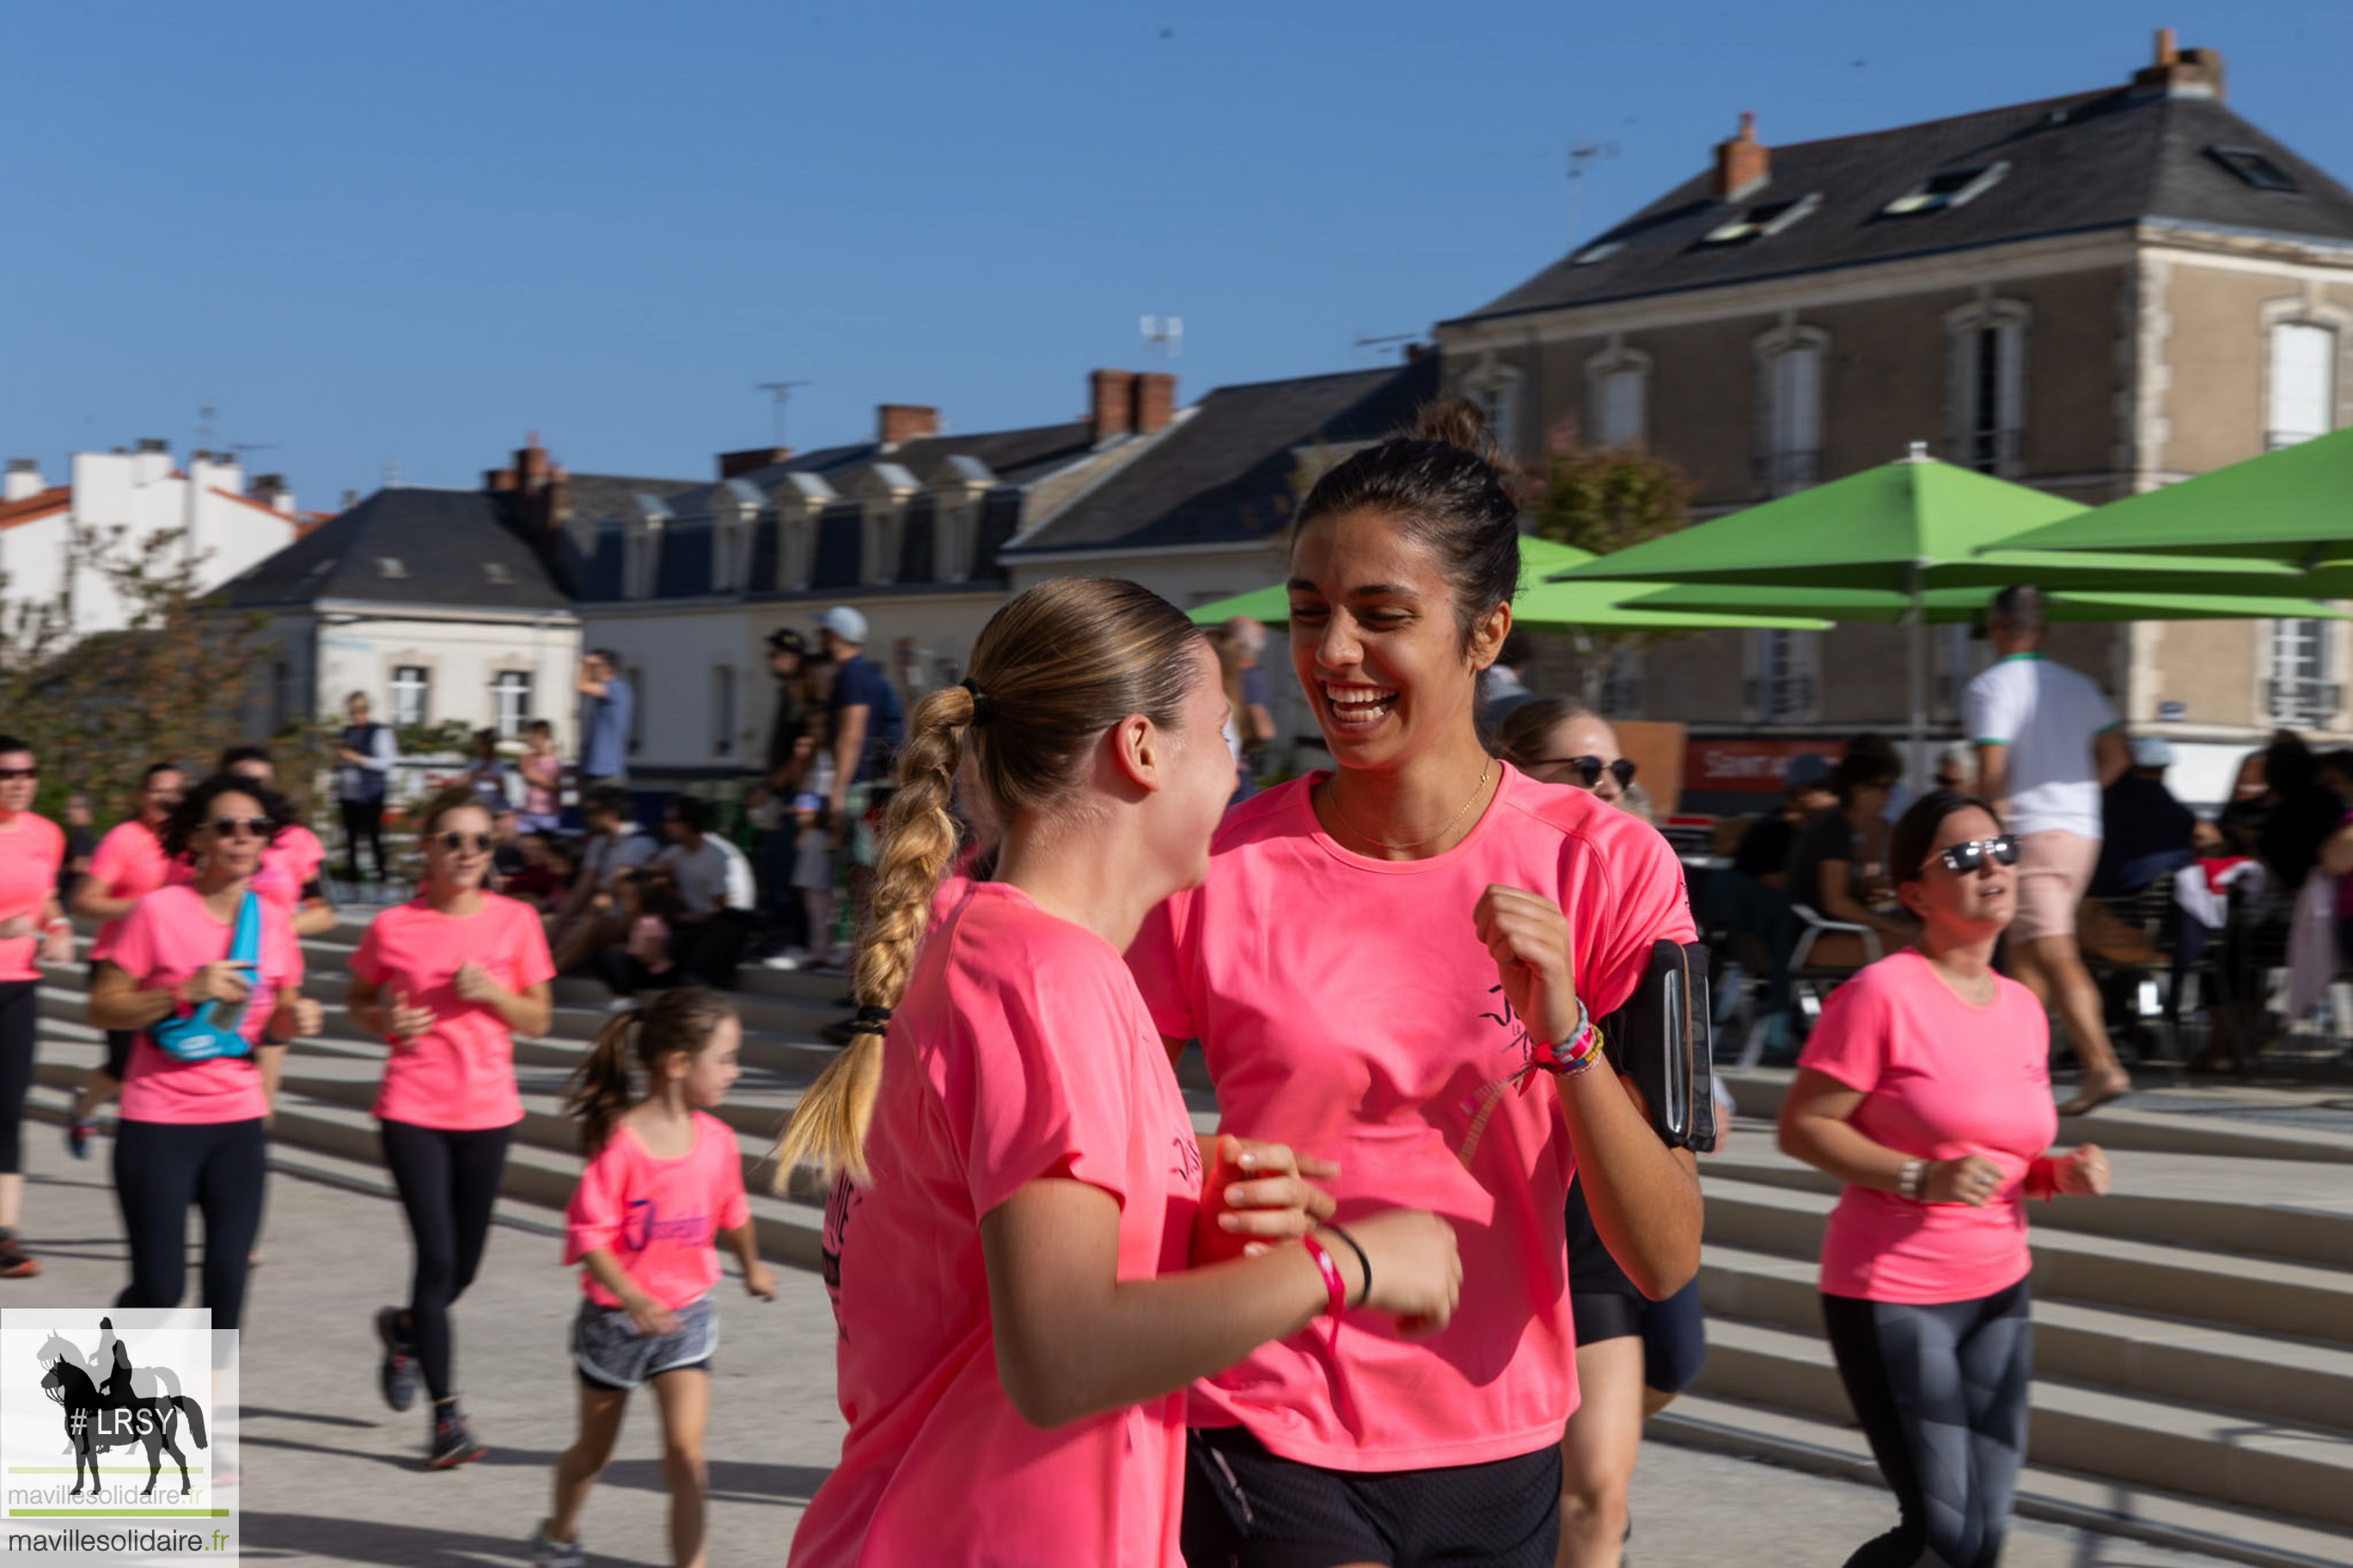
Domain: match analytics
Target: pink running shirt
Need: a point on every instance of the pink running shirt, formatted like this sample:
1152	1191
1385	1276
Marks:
660	1218
1940	1079
31	847
129	863
1348	1008
1021	1051
168	936
460	1075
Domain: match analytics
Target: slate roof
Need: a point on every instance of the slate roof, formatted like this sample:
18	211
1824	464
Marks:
456	548
1225	474
2093	161
596	497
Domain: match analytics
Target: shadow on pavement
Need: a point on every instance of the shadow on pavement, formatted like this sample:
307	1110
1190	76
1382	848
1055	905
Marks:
730	1481
361	1540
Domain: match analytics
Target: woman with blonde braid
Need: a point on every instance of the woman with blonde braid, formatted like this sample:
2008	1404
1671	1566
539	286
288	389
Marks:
1016	1179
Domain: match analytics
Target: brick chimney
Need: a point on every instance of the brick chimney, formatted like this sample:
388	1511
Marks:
752	460
1155	402
1744	163
498	479
2181	73
899	422
1111	402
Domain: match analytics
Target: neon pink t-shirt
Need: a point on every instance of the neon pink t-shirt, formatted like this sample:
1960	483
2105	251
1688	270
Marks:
660	1218
168	936
1021	1051
1940	1079
459	1074
32	847
129	863
1348	1009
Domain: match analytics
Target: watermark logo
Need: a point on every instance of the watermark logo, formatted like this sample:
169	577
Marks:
117	1436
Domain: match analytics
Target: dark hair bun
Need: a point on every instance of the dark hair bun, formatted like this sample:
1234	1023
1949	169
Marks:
1457	422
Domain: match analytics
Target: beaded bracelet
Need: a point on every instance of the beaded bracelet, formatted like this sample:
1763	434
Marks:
1335	1288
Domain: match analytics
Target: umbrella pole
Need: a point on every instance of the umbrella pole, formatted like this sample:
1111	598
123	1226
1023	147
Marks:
1916	637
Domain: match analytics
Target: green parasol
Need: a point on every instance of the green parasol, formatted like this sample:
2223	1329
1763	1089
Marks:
2293	505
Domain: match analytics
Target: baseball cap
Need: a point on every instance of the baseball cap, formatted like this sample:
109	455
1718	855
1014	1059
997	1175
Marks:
784	639
1807	770
2152	752
844	623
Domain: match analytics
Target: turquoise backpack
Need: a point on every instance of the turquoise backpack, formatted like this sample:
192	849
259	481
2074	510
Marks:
196	1038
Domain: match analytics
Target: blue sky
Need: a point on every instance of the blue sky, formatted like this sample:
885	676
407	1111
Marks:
410	234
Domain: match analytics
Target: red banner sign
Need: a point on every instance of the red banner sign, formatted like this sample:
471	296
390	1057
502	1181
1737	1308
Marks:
1747	767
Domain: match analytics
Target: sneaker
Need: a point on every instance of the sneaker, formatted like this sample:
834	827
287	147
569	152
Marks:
546	1553
15	1263
453	1441
618	1006
784	962
79	1134
397	1374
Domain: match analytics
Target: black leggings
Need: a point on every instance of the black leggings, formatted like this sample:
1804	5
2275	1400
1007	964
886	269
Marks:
1941	1391
362	819
20	1018
118	1041
448	1183
161	1168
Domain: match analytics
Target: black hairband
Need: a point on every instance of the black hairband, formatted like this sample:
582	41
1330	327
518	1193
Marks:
872	1021
980	709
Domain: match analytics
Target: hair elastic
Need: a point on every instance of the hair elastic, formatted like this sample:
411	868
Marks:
980	709
872	1021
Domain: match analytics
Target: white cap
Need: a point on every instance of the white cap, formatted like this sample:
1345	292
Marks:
844	623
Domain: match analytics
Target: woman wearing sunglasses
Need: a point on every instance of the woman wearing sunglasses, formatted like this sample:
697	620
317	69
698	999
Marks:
448	979
32	926
1927	1090
1555	740
193	1129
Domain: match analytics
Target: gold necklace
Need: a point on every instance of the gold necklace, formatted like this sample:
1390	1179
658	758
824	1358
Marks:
1412	843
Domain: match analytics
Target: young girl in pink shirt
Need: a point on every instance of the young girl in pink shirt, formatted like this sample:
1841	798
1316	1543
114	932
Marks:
447	980
664	1182
1926	1088
1017	1177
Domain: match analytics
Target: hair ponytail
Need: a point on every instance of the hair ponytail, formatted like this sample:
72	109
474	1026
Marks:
598	1090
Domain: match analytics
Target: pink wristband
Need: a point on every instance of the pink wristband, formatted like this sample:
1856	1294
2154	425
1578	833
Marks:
1335	1288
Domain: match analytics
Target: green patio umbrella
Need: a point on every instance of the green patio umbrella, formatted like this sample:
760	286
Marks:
1949	606
1548	606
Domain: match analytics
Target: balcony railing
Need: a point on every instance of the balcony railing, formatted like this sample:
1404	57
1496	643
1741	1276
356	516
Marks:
1783	473
2303	704
1781	700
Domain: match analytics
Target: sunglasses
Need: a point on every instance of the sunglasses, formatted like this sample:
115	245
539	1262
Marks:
1966	858
457	842
259	827
1590	769
10	775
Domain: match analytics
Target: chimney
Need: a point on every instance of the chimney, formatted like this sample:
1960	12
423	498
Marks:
1155	402
23	480
498	479
2181	73
270	490
752	460
1744	163
1111	403
350	500
896	424
531	465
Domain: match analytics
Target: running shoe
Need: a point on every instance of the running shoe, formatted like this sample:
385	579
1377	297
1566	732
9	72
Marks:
546	1553
15	1263
397	1374
79	1132
453	1440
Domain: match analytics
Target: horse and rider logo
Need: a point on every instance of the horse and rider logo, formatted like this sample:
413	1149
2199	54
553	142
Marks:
107	1403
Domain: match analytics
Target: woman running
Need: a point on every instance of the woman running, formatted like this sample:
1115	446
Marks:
1010	1237
448	979
194	1129
1927	1090
1380	958
291	867
33	928
129	864
1555	740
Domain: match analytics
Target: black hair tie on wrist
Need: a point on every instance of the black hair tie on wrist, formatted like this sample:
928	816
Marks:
872	1021
980	709
1355	1247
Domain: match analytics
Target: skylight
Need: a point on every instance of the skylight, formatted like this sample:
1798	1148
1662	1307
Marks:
2254	167
390	566
1593	253
496	572
1948	188
1764	218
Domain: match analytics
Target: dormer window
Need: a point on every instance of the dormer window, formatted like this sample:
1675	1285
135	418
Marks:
1764	218
1593	253
496	574
2254	167
1950	188
390	566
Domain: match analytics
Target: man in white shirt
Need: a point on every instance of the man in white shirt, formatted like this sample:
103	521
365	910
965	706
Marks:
587	918
715	884
2048	743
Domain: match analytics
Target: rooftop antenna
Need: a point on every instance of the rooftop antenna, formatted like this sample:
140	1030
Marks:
242	447
1581	157
392	474
780	392
1164	336
1364	340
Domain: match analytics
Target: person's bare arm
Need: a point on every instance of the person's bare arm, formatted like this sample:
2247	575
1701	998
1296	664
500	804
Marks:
1993	774
1817	1126
526	1012
2111	755
117	1001
1834	890
92	902
2337	852
849	746
1644	1196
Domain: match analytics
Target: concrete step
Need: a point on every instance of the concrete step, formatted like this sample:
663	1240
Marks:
2274	1466
2101	1505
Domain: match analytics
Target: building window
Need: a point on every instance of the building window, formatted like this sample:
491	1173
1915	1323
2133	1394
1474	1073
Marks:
2302	402
722	711
1761	220
1781	675
1789	385
1622	688
2302	695
1494	390
1950	188
511	703
1617	391
412	695
2254	166
1985	346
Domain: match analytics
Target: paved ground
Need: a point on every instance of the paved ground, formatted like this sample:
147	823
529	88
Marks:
331	1476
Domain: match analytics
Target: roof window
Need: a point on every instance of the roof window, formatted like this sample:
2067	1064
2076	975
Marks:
1764	218
1593	253
1949	188
390	566
496	572
2254	167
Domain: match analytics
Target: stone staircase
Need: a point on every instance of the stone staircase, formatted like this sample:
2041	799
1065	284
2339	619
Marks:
2194	1330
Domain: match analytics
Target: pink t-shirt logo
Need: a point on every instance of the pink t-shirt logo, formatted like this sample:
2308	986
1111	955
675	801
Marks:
837	1204
1188	1168
643	1225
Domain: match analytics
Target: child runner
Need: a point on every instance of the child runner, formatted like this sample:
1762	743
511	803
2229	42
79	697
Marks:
196	1131
664	1181
33	925
1010	1237
129	864
1370	965
449	979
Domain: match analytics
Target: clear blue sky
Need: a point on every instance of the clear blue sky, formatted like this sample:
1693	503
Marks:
411	233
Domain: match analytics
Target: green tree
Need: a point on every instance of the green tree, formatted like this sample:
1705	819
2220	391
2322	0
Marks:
1603	499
